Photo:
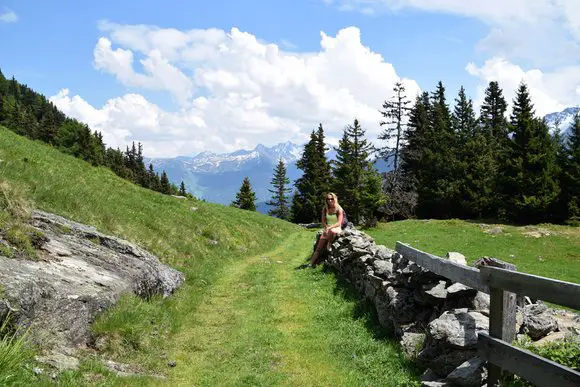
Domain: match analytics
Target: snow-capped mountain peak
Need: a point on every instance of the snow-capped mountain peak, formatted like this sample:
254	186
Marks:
563	120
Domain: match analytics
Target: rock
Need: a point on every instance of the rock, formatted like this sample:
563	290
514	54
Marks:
456	258
494	231
401	305
471	373
37	371
193	209
383	253
429	376
481	302
446	361
412	343
460	290
436	383
83	272
172	363
538	321
59	360
431	294
383	268
458	328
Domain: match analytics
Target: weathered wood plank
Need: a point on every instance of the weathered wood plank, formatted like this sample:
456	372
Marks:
502	321
546	289
458	273
533	368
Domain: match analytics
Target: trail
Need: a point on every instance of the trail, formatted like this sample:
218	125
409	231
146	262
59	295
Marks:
264	322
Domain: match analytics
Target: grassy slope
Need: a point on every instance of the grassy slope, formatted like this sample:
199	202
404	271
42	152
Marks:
556	256
164	225
240	318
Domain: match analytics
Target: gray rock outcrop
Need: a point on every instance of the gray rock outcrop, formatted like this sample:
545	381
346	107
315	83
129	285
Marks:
79	274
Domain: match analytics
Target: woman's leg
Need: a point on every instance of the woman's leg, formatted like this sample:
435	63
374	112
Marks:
332	233
321	242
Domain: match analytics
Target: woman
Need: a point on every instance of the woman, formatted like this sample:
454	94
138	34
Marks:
332	216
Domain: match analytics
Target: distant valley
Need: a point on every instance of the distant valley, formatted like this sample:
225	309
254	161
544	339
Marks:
217	177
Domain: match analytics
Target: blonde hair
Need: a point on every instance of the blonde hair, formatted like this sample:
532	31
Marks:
336	205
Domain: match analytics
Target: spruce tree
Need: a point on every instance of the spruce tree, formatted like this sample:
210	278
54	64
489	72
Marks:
529	185
438	186
495	129
246	197
356	181
395	113
280	200
308	199
182	191
571	172
165	186
475	183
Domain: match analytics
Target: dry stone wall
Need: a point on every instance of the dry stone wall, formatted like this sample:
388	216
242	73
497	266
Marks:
435	320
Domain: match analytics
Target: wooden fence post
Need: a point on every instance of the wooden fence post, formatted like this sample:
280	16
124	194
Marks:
502	317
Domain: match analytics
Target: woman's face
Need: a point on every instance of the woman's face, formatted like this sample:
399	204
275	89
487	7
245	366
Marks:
330	201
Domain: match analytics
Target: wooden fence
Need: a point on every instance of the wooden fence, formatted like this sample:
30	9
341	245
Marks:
502	284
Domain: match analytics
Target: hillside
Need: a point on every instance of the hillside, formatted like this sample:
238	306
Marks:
185	234
244	313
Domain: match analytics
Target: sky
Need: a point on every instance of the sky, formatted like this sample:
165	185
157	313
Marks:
183	77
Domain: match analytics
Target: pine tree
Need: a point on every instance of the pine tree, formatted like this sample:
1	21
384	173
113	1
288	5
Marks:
395	113
246	197
357	183
438	186
495	130
308	199
164	183
279	192
475	183
571	171
529	185
182	191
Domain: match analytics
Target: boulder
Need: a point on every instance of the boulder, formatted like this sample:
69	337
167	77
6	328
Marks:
79	274
456	258
538	321
458	328
412	343
471	373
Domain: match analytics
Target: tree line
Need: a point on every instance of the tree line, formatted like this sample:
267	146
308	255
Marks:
31	114
447	162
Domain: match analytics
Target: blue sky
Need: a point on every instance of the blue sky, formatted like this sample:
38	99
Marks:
86	56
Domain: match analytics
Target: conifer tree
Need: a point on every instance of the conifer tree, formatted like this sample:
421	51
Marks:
438	188
357	183
395	114
182	191
495	128
475	183
164	183
308	198
280	200
571	171
246	197
529	185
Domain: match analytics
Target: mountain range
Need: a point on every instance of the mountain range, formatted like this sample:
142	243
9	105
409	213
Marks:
217	177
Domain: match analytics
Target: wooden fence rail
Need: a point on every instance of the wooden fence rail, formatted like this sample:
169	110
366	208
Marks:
502	284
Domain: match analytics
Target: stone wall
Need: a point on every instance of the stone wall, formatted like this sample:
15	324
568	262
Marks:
435	320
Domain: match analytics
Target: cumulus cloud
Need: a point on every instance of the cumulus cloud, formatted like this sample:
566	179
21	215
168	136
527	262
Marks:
535	41
8	16
234	90
550	91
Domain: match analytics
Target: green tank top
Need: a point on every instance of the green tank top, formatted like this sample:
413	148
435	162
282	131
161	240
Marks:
332	218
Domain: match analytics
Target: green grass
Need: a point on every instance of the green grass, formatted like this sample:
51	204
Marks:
555	256
244	315
49	180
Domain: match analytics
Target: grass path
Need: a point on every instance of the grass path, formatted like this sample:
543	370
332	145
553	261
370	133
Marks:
266	323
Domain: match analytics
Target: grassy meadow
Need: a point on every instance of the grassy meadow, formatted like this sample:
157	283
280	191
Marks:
246	315
556	255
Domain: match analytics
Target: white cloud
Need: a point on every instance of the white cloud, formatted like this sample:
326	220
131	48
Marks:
550	91
545	32
240	91
8	16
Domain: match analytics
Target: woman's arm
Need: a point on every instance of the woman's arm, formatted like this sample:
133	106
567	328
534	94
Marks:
323	218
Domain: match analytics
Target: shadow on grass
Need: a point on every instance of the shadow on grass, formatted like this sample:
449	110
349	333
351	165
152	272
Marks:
364	309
